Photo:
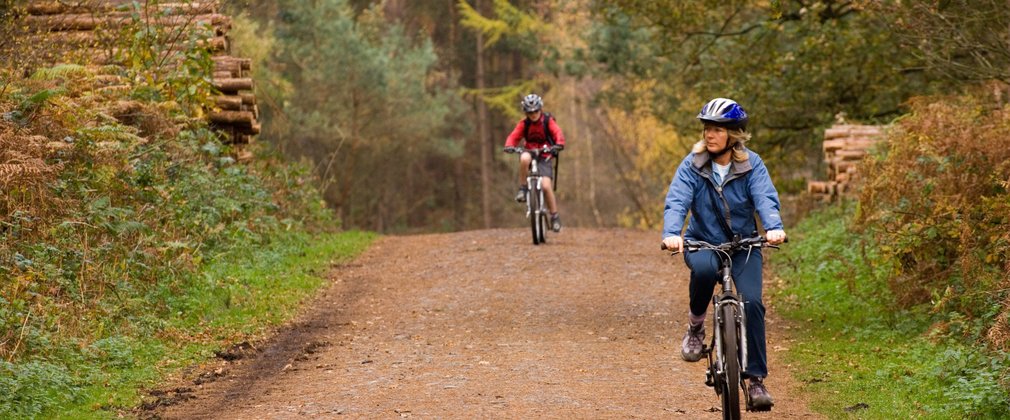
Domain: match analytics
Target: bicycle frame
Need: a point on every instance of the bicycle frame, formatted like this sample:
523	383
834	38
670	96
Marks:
536	207
718	375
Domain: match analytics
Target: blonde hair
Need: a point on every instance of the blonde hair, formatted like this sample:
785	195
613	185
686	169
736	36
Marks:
738	136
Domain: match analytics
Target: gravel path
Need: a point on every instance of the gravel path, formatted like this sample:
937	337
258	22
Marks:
482	324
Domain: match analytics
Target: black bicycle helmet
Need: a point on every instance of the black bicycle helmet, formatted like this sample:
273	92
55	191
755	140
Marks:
724	112
532	102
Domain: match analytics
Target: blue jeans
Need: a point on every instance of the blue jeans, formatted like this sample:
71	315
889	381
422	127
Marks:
705	276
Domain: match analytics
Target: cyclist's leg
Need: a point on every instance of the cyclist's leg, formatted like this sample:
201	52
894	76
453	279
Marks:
548	185
704	267
547	171
749	284
524	166
704	276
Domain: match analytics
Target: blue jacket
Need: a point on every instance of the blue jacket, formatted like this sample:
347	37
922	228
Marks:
748	188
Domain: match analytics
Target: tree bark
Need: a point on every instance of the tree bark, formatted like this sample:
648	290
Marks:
241	118
229	103
233	85
482	129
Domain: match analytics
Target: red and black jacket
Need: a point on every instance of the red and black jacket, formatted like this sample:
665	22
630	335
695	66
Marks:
536	133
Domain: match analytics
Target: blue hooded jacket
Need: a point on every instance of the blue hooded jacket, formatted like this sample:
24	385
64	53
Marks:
747	188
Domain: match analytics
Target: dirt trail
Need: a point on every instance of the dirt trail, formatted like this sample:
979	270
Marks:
484	324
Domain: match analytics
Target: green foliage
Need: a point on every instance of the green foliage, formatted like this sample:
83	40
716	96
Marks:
856	351
60	71
511	22
959	39
110	221
168	61
362	97
27	389
937	201
793	65
527	31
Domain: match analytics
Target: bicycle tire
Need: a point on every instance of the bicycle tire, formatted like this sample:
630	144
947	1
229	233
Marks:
533	198
731	364
544	223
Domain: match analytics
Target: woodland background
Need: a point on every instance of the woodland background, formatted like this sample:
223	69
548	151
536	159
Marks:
403	106
136	244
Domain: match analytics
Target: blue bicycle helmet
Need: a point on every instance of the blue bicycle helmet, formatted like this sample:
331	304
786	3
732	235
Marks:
724	112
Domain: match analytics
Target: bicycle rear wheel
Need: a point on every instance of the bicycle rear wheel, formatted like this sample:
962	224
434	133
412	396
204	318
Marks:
731	362
533	198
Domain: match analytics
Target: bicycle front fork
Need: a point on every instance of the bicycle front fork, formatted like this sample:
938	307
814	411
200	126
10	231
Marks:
538	189
716	347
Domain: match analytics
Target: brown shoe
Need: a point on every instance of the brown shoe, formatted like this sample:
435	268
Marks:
693	345
760	399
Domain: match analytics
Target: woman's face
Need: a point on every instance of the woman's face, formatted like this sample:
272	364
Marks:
715	138
533	116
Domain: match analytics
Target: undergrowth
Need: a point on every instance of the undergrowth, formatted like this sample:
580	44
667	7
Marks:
131	240
937	200
857	351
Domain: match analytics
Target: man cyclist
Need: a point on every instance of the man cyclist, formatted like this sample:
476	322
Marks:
722	184
538	129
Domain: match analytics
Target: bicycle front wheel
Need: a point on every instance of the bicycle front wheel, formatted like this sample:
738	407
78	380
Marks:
545	223
533	198
730	362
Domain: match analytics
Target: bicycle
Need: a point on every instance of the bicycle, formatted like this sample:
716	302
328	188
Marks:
536	207
727	353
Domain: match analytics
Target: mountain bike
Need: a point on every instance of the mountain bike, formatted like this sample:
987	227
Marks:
536	206
727	353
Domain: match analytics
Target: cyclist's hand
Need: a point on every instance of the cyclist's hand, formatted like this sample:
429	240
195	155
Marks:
558	148
775	237
674	243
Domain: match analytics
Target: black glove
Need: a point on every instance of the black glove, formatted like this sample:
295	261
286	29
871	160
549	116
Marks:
558	147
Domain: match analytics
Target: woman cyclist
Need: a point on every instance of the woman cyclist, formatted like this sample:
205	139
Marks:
722	184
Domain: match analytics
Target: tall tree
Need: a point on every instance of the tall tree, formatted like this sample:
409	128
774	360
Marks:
482	132
961	39
794	65
360	106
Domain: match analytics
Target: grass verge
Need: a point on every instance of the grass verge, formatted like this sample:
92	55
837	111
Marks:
237	297
857	355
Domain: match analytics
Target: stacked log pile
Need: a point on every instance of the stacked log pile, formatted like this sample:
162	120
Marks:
844	147
87	31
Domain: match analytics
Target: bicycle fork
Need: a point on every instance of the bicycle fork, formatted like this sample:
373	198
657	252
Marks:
534	187
726	298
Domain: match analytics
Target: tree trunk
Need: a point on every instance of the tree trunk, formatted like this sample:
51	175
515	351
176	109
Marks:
459	208
592	171
482	129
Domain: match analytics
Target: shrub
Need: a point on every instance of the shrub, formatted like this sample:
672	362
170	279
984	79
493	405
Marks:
937	201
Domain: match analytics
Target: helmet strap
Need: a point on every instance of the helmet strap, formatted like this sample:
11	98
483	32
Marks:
727	149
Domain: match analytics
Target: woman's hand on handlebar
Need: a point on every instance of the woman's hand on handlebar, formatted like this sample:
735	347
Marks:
775	237
674	243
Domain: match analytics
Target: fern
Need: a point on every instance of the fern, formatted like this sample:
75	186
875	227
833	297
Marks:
35	101
61	71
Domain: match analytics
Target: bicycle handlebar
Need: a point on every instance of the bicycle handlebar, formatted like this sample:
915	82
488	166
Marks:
546	149
753	242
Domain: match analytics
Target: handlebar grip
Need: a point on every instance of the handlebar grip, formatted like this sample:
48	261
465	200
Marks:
662	246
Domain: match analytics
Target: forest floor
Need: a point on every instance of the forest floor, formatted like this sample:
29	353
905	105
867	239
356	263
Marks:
480	324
